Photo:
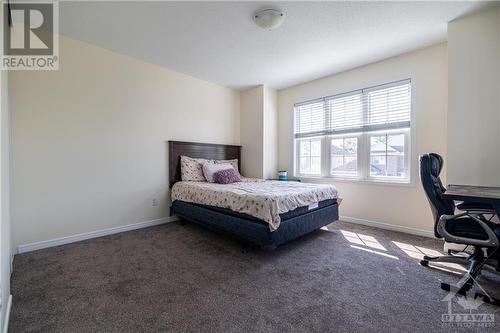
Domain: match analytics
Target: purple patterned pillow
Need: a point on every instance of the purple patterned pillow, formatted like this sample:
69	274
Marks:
226	176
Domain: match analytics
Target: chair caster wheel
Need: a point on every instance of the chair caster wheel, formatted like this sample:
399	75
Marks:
424	263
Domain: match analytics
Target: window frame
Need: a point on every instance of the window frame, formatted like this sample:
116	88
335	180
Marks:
363	150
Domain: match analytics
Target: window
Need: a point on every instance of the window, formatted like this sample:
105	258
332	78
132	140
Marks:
344	156
364	134
310	157
387	155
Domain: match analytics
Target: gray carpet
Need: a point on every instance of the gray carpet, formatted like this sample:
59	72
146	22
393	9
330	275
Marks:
182	278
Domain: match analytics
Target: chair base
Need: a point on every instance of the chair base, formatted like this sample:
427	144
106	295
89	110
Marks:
463	260
477	258
462	292
475	263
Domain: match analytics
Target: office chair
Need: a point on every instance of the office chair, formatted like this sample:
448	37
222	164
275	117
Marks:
469	227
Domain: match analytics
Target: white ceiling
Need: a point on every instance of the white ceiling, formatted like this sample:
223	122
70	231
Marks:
218	41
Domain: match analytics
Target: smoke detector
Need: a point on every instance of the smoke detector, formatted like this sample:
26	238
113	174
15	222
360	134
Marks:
269	18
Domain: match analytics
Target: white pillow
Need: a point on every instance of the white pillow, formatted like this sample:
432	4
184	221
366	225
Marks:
210	168
192	168
234	163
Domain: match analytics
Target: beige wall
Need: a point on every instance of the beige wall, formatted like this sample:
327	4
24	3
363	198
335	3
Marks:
259	132
89	147
252	132
5	223
4	196
474	99
396	205
270	138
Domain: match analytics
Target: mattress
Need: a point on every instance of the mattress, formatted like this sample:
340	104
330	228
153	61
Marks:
247	228
283	217
265	200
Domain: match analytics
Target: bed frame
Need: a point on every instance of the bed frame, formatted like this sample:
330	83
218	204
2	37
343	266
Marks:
246	228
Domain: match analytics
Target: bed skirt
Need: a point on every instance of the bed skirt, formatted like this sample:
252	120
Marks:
247	228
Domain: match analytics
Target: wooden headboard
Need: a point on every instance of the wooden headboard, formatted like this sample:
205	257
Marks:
198	150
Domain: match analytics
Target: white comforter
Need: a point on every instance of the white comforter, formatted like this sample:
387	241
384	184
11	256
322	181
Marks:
264	200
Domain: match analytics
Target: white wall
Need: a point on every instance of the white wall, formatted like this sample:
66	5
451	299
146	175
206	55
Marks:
474	99
252	132
89	142
398	205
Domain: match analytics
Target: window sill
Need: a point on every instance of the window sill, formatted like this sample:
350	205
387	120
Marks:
379	182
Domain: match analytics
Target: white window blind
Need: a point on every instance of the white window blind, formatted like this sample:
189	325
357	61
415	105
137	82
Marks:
310	118
346	111
381	107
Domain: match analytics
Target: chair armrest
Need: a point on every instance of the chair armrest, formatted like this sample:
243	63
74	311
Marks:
492	240
476	208
451	217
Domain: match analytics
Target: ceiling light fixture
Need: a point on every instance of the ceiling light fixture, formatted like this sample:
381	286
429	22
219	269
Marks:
269	18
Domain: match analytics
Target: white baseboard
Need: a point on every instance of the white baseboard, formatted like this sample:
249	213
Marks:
387	226
5	327
92	234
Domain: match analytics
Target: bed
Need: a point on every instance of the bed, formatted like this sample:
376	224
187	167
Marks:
264	213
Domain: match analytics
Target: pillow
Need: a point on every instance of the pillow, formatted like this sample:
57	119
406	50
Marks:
234	163
210	168
192	168
227	176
